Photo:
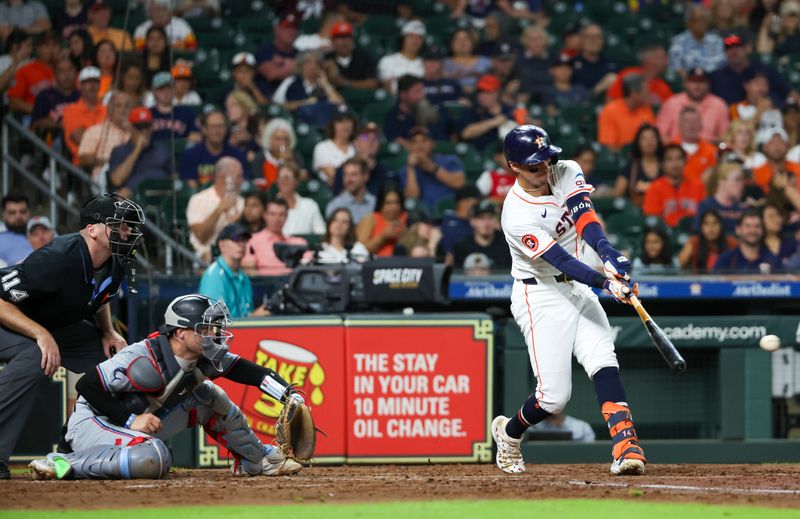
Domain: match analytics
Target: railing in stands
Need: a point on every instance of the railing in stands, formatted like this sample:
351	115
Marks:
170	246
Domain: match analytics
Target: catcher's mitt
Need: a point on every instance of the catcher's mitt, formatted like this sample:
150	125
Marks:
295	431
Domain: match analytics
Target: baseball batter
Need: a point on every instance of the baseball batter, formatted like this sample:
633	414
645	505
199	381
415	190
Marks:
548	220
156	388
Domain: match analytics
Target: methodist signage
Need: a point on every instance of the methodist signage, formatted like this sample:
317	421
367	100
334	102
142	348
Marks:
382	388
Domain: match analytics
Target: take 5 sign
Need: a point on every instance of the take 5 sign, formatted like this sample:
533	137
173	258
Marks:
382	388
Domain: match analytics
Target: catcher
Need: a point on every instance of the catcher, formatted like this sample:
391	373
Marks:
153	389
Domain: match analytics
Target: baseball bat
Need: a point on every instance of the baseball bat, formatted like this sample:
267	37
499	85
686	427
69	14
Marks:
668	351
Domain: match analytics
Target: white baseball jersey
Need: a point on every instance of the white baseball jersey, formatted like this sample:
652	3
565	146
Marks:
532	225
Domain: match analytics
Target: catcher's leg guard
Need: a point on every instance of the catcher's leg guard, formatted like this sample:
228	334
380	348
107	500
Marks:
142	458
626	443
228	426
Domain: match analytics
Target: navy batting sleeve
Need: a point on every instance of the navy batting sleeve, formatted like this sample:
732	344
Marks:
581	210
561	259
251	374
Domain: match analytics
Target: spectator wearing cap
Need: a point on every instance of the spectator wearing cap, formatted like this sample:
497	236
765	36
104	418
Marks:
504	67
14	246
170	121
244	78
355	197
178	30
211	209
29	16
728	81
455	224
652	65
592	69
673	196
533	63
408	60
224	280
563	92
35	76
40	232
183	86
485	239
751	255
141	158
260	255
429	177
100	29
367	145
483	125
18	49
275	60
464	65
85	112
309	95
696	46
438	89
495	183
413	109
337	148
198	163
697	93
785	38
757	106
774	144
620	119
50	103
701	155
99	140
347	65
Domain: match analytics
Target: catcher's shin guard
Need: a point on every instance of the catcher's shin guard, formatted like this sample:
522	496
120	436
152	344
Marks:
142	458
620	427
230	428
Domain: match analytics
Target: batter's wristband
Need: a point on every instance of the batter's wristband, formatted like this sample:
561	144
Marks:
129	421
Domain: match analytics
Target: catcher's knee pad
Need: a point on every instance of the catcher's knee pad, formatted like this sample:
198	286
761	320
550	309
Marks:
232	430
212	396
142	458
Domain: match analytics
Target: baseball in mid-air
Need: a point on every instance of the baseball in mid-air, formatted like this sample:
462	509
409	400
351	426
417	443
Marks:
770	342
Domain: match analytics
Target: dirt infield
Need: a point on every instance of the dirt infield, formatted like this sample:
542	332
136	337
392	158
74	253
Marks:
761	485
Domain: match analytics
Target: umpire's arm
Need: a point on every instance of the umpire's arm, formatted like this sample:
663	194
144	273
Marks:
13	319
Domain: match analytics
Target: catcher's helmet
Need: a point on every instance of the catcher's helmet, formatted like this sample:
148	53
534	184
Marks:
207	317
529	145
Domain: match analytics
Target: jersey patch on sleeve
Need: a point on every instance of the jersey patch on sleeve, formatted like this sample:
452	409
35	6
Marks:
530	241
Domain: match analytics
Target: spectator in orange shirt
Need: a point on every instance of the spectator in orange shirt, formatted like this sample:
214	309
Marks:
673	196
620	119
712	109
775	146
701	155
85	112
98	28
32	78
652	64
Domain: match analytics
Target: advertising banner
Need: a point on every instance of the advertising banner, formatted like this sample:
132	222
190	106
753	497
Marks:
418	389
306	352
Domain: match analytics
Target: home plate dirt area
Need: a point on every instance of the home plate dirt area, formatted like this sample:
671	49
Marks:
774	485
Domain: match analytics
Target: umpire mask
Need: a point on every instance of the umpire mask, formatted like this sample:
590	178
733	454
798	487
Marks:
124	220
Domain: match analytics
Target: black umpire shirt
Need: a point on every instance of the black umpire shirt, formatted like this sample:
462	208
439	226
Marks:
57	286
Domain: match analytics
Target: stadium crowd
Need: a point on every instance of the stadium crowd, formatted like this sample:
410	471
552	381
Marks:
375	127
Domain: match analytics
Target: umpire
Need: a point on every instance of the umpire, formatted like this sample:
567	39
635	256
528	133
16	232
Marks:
47	300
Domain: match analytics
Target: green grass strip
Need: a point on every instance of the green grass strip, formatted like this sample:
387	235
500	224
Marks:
561	508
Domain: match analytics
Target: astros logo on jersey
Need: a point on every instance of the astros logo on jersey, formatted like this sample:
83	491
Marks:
530	241
540	142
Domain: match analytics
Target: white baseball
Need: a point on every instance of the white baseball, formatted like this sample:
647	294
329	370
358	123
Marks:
769	342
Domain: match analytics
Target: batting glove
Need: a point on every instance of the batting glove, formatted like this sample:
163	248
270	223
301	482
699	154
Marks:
620	290
616	265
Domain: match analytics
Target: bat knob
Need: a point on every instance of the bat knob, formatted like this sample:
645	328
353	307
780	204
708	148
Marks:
679	366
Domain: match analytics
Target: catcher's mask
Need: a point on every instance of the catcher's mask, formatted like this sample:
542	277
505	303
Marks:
208	318
123	218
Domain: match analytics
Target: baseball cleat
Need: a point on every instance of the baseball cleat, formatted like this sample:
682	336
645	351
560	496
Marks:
509	457
54	466
272	464
627	467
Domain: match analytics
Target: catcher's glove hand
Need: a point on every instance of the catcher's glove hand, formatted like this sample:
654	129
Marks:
295	431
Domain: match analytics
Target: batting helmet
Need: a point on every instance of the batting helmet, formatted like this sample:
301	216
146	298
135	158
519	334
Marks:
529	145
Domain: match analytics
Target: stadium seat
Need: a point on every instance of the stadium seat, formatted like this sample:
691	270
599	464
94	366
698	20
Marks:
443	205
317	191
307	139
173	206
470	157
377	110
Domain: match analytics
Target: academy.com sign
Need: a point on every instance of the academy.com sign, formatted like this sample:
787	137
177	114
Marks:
690	332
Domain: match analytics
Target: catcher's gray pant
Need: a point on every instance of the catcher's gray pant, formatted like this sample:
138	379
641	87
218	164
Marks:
80	350
208	405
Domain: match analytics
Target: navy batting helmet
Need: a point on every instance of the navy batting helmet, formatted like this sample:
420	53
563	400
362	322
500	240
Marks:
529	145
